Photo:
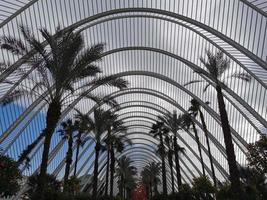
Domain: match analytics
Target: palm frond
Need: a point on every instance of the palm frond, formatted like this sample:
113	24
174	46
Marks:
80	72
13	45
191	82
88	56
25	153
216	63
206	87
13	96
241	75
51	41
111	81
111	102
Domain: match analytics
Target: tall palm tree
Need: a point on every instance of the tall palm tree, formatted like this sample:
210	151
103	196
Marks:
158	130
112	123
173	123
125	171
186	124
83	123
150	176
67	131
146	179
98	126
58	68
216	65
195	110
169	143
115	141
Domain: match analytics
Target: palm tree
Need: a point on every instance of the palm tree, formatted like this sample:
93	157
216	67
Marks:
146	179
67	131
216	64
98	126
158	130
83	123
111	123
126	172
186	124
150	176
169	143
57	70
114	141
194	110
173	123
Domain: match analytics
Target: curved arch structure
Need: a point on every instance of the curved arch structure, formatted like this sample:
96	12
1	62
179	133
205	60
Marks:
156	46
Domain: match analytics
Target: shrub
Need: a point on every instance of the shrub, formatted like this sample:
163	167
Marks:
10	176
52	188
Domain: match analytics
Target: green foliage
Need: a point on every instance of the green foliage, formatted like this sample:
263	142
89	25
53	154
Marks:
224	192
125	173
186	192
72	186
106	198
250	192
160	197
83	196
257	155
150	176
203	187
52	189
10	176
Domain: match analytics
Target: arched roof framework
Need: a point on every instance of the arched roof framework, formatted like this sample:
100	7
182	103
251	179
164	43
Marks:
216	163
249	55
217	144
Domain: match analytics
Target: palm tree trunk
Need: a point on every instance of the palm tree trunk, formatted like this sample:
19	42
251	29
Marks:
177	163
53	115
121	187
150	190
112	168
171	164
68	160
230	152
77	152
208	145
95	178
199	148
164	182
155	188
124	192
107	172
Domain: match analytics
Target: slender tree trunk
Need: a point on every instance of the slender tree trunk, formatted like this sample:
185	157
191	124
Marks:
77	152
150	190
177	163
208	145
121	187
124	192
68	160
95	178
230	152
112	168
107	172
53	115
155	188
199	148
171	165
164	182
108	159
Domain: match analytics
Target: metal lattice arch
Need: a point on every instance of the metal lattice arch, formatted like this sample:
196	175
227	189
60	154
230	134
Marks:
156	46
